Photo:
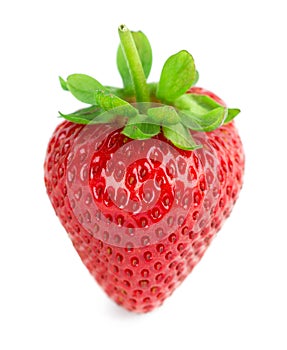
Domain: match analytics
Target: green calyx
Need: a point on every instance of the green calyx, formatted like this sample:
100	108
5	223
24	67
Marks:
147	109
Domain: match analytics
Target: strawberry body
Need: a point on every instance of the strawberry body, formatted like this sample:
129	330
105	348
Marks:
141	213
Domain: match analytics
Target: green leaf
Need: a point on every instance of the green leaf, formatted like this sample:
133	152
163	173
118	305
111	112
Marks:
124	94
63	84
83	116
145	54
196	78
180	136
94	115
111	102
83	87
199	104
164	115
177	76
141	128
200	112
232	113
152	89
204	122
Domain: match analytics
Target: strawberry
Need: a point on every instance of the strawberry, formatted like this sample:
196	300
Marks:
143	178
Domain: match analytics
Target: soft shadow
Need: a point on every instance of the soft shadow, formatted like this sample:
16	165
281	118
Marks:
118	312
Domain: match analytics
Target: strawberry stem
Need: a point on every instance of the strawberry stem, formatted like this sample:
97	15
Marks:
134	64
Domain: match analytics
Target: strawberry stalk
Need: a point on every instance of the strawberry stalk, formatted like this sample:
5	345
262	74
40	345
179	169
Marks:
129	48
177	112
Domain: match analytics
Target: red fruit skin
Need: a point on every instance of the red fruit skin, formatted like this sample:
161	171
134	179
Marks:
89	169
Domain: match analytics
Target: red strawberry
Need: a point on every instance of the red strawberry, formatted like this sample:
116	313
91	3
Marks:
141	198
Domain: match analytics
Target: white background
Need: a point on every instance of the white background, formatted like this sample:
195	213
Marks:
236	296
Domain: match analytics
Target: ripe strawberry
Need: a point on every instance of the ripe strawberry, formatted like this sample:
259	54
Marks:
143	188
